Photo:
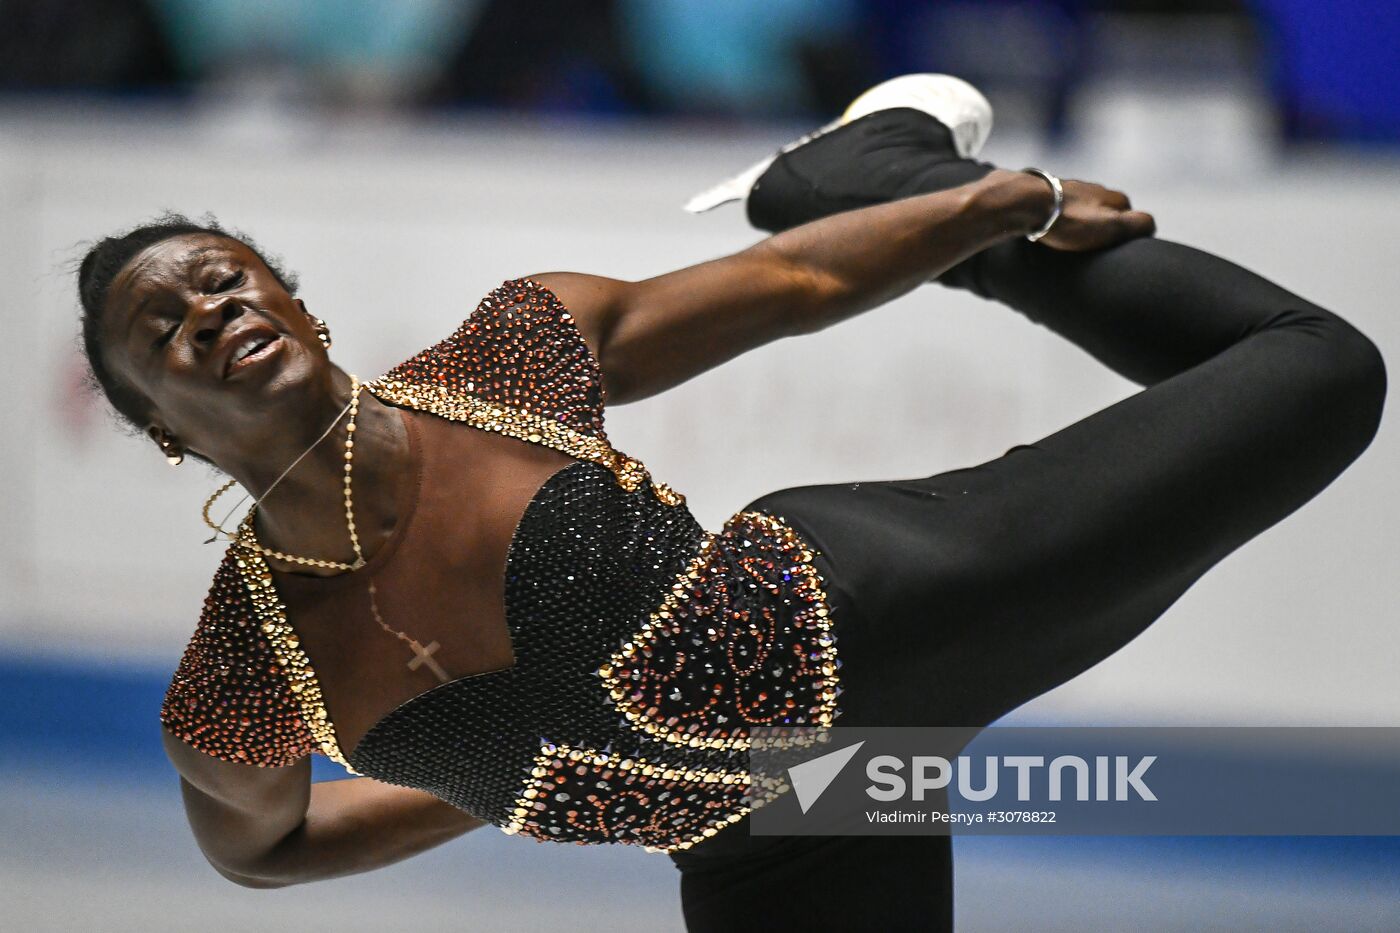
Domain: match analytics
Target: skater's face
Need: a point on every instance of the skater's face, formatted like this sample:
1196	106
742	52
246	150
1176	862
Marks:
208	335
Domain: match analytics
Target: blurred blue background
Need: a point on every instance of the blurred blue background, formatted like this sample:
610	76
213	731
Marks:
1327	69
406	155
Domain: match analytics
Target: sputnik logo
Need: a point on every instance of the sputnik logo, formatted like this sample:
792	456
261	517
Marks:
811	778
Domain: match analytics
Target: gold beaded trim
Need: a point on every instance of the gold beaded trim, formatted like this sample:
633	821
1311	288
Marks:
523	425
271	617
642	642
586	756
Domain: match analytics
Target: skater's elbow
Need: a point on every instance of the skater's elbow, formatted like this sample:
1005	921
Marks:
250	881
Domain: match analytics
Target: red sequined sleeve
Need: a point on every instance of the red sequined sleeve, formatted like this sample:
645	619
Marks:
229	697
521	349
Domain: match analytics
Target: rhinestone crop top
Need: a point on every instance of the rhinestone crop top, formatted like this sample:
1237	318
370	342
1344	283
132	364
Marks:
644	646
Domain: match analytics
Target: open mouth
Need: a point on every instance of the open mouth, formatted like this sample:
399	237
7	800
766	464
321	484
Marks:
251	350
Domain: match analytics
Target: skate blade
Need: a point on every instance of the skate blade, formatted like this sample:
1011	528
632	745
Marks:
952	101
737	188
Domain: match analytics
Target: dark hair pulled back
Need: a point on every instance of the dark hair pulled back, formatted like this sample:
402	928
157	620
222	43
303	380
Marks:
100	266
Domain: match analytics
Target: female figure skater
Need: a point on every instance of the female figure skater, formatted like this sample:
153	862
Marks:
452	583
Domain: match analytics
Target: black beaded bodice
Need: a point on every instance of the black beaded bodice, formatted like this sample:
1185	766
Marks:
644	646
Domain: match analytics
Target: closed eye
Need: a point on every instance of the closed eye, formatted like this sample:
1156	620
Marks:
232	280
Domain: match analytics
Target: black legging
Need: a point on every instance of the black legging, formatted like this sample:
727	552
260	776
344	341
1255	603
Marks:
960	596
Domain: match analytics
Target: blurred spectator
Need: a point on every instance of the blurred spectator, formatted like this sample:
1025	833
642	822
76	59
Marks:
543	55
737	56
212	34
82	45
331	50
1030	54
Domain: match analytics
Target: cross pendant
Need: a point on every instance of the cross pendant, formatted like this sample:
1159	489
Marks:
425	656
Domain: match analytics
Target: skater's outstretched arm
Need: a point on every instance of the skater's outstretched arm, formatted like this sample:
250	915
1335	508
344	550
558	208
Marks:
654	334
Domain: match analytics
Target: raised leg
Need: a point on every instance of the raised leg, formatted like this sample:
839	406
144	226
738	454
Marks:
962	595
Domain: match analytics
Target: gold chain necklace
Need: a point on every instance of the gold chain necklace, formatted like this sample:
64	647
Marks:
247	537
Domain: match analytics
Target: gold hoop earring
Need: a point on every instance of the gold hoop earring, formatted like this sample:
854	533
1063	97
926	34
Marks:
173	455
